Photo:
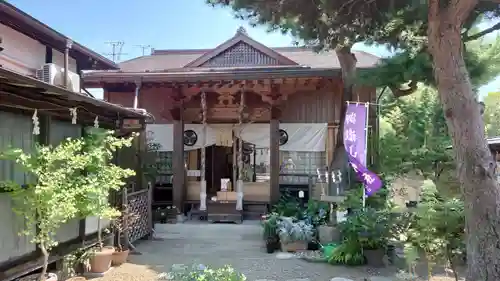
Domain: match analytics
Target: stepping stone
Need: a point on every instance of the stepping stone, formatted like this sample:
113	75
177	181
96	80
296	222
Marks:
285	256
340	279
299	279
264	280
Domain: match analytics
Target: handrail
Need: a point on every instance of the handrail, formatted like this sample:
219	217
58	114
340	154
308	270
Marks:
130	194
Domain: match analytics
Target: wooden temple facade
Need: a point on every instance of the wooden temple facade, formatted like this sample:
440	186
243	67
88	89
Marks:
237	123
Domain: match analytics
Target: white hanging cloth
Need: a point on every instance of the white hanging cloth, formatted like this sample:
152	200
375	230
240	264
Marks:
307	137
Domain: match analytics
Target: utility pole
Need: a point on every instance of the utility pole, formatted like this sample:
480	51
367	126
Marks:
144	48
116	50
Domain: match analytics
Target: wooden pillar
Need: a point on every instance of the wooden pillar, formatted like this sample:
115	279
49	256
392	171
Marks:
274	151
203	182
239	183
178	160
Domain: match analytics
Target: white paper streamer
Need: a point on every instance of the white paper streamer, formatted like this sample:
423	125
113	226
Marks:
73	113
36	123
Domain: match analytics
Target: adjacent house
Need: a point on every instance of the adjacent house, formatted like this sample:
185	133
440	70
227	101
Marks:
34	83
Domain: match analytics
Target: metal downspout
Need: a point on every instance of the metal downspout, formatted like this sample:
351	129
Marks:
69	44
136	96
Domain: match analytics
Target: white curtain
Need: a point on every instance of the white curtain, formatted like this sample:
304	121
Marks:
163	134
307	137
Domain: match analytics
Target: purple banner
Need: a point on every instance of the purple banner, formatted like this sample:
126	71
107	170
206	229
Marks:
355	137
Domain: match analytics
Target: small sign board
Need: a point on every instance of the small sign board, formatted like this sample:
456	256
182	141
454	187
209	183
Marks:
131	124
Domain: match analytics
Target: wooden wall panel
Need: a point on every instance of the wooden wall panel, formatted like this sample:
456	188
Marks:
322	106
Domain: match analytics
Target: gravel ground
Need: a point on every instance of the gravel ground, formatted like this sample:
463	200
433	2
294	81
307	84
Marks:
218	244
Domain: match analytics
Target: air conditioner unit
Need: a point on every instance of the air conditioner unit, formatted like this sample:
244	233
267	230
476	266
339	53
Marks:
53	74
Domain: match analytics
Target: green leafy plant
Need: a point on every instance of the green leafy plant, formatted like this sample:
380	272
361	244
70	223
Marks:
288	206
101	175
436	229
317	212
370	227
348	253
291	230
203	273
150	164
54	199
270	226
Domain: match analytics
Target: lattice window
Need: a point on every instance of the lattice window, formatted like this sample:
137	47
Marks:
164	164
241	54
138	205
296	162
262	169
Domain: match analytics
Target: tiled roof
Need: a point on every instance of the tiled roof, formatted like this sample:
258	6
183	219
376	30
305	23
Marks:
170	59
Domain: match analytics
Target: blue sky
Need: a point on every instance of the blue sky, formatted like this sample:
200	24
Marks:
163	24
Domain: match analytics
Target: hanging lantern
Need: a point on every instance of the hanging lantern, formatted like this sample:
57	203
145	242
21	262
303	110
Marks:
96	122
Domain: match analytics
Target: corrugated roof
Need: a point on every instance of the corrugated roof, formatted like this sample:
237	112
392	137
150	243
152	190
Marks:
161	60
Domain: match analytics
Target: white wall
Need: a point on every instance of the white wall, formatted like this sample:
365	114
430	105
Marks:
21	53
58	58
12	244
25	55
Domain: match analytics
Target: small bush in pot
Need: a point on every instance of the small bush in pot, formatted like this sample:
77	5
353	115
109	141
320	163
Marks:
270	232
102	176
371	228
122	224
294	235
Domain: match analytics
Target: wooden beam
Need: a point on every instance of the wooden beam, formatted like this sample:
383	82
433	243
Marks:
274	157
178	162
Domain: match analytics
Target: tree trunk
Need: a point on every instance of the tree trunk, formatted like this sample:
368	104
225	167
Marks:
475	164
348	65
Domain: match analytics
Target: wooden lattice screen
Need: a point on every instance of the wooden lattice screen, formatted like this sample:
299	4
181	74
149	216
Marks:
241	54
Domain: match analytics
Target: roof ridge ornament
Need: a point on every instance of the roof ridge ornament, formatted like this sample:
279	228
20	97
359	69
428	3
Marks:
241	30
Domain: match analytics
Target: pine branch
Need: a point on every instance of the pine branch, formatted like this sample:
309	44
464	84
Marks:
467	38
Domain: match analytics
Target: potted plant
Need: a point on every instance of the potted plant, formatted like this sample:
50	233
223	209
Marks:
122	224
372	228
101	177
270	233
53	199
294	235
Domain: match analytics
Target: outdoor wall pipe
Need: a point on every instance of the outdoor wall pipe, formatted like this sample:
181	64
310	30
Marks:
69	44
377	129
136	96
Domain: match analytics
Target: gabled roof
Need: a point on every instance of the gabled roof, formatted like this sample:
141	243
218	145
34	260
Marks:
162	60
239	38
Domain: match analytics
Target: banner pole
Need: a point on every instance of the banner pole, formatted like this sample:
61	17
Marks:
366	147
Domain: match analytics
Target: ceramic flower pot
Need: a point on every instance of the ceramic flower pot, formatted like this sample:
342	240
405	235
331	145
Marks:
120	257
270	246
375	257
100	261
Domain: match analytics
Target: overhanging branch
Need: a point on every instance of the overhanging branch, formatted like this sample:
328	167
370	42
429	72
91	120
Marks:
467	38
